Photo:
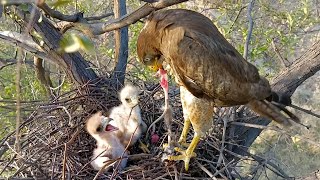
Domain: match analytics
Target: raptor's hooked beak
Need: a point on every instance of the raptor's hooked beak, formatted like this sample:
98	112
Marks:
156	65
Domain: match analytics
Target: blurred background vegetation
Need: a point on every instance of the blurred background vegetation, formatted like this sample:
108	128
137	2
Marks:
283	30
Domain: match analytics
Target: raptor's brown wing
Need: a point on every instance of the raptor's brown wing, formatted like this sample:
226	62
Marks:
204	61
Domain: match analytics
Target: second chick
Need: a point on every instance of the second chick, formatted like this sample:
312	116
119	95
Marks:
127	116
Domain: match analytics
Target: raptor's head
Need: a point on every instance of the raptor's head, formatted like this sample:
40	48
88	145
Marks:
129	96
148	47
154	62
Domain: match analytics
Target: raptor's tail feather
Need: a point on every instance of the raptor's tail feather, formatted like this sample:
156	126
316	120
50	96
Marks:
272	111
287	112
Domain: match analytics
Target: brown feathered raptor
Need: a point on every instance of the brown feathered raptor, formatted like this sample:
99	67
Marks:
209	70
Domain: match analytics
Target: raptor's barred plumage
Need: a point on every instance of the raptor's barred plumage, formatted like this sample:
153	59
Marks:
209	70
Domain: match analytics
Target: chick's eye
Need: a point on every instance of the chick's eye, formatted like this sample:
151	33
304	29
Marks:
128	100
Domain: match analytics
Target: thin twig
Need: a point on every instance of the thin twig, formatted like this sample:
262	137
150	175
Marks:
125	150
18	104
64	162
284	62
305	110
222	169
235	20
250	27
205	170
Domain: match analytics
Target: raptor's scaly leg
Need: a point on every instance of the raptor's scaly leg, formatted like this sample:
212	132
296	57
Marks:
184	133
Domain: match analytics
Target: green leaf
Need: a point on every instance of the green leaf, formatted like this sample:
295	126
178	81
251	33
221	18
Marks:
70	43
290	20
86	44
73	42
24	7
59	3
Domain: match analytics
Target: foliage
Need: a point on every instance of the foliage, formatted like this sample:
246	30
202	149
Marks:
290	25
73	42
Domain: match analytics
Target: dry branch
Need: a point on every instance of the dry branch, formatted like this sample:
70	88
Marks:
25	46
250	28
58	15
133	17
293	76
100	28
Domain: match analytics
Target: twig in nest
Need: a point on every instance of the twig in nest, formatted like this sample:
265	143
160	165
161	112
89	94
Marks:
204	169
222	169
65	153
94	158
64	162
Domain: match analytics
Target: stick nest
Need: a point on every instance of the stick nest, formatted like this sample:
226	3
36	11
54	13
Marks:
55	145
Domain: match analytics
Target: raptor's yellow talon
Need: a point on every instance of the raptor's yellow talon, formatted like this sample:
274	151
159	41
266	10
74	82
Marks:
184	144
143	147
187	154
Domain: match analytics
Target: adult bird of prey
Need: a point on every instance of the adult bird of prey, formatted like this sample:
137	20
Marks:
209	70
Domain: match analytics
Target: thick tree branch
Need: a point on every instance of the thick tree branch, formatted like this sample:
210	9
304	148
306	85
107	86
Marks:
77	17
95	18
58	15
133	17
100	28
304	67
27	47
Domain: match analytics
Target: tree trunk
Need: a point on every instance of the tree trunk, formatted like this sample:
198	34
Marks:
121	44
75	66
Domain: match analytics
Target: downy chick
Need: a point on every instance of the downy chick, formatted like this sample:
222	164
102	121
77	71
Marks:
127	116
103	130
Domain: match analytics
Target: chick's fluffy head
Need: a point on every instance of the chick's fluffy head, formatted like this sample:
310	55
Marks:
129	96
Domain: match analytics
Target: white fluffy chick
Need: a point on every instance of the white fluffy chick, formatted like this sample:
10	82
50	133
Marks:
127	116
108	144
